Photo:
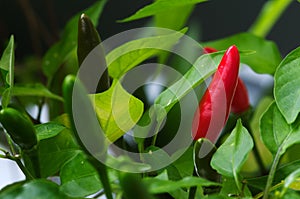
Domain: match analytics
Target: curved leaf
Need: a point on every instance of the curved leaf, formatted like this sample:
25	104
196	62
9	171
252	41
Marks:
36	90
204	66
130	54
286	86
158	7
79	178
276	133
117	110
266	58
48	130
232	154
33	189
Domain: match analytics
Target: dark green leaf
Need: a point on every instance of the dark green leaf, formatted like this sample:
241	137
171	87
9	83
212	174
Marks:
48	130
280	174
79	178
229	188
56	151
232	154
163	186
286	86
34	189
58	53
266	58
160	6
276	133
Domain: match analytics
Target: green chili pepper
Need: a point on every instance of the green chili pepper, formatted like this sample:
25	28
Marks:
22	132
88	39
19	127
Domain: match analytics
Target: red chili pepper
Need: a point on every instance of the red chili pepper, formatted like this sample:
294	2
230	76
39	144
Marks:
240	102
214	107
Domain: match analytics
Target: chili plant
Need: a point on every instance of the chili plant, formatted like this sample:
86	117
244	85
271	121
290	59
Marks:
121	126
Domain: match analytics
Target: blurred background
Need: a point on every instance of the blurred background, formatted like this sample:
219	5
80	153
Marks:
37	24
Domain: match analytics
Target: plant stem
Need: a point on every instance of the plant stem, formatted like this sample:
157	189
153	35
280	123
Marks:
259	195
102	171
272	173
269	14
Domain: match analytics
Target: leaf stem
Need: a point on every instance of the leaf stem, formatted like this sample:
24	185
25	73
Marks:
272	173
268	16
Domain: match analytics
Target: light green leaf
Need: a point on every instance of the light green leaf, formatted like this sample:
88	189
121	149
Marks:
204	66
37	90
60	52
156	186
7	63
129	55
266	58
160	6
171	21
286	86
6	94
48	130
276	133
79	178
232	154
117	110
40	188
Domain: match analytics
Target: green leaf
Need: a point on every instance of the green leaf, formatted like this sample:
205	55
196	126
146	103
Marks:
286	86
156	186
280	174
229	187
40	188
7	63
160	6
48	130
204	67
130	54
171	21
276	133
292	181
6	94
117	110
266	58
59	52
79	178
56	151
184	163
232	154
36	90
